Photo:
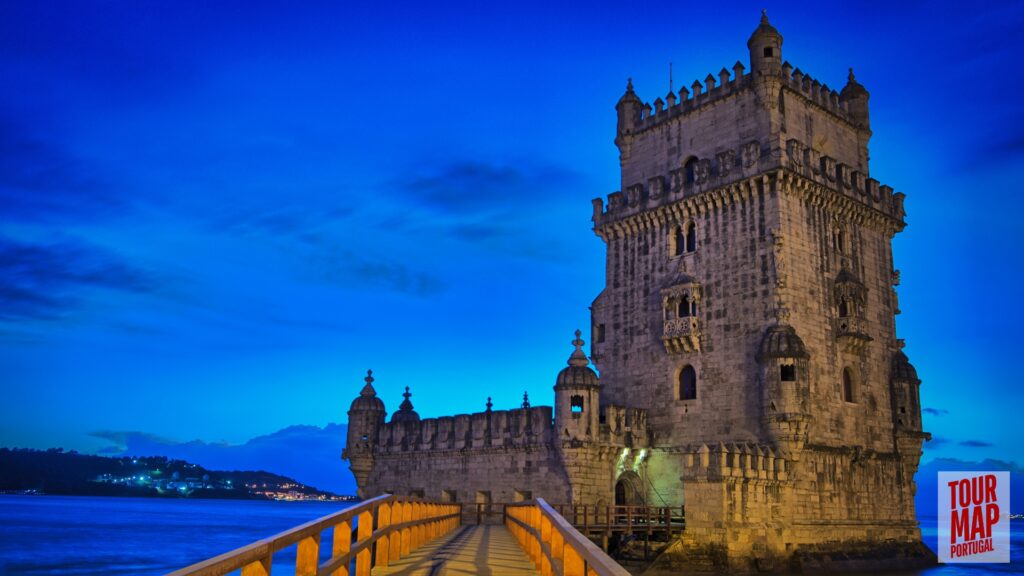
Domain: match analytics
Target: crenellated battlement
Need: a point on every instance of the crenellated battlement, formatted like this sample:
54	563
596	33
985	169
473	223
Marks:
624	427
735	460
490	429
742	164
699	95
816	92
715	89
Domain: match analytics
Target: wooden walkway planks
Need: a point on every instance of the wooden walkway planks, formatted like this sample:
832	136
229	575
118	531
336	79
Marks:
488	550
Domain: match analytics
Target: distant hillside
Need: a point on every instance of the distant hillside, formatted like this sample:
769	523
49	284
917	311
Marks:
55	471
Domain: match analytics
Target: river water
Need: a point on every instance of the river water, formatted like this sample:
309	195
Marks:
44	535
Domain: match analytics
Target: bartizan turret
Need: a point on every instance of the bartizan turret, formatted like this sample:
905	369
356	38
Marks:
577	394
365	417
765	46
785	392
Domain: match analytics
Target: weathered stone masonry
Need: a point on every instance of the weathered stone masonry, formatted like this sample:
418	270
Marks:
745	338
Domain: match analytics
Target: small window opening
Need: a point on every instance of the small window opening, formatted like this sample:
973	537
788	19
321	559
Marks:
768	52
691	237
365	437
847	385
449	496
844	308
684	307
576	404
787	372
600	333
688	383
523	495
690	168
678	241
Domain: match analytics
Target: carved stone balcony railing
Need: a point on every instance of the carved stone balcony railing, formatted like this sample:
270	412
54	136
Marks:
681	335
851	333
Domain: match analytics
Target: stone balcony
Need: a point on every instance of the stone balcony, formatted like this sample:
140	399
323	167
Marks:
682	335
851	333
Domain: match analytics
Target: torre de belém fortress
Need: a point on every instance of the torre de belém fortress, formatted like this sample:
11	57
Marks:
745	338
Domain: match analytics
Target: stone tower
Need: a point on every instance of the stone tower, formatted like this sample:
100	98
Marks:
365	417
750	308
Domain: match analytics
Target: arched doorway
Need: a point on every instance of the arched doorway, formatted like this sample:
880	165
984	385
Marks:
628	490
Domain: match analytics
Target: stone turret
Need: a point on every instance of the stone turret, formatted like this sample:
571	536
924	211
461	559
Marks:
365	417
785	377
905	395
765	46
577	402
856	98
628	109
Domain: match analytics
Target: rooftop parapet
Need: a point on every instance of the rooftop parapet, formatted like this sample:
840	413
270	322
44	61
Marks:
743	461
623	426
849	106
733	166
521	427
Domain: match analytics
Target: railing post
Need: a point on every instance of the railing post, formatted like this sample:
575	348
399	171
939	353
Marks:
364	530
381	547
260	567
395	541
307	556
406	532
572	563
342	544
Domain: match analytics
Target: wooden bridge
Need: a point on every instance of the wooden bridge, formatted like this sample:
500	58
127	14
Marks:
391	535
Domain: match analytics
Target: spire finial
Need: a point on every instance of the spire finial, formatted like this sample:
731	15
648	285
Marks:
526	399
578	358
764	15
368	388
489	404
670	89
850	77
407	394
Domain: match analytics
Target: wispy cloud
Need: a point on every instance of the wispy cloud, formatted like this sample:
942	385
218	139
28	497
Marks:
473	187
346	268
935	411
43	280
976	444
40	182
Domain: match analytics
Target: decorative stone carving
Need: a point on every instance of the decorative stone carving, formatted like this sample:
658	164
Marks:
751	153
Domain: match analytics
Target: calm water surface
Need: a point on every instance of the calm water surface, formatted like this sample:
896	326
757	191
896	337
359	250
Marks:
86	535
43	535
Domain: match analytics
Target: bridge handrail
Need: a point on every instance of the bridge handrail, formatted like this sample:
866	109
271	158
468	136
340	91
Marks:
554	545
402	525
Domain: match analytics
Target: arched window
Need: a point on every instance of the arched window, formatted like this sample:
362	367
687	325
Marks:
847	385
691	237
688	383
684	308
678	241
844	308
768	51
690	169
576	404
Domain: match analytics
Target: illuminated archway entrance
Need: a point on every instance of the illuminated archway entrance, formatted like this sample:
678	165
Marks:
629	490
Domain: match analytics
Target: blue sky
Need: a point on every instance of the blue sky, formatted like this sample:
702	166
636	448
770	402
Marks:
215	217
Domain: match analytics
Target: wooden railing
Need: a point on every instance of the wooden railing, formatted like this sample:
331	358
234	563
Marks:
553	545
386	529
603	522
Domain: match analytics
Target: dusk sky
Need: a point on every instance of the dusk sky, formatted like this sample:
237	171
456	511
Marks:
214	217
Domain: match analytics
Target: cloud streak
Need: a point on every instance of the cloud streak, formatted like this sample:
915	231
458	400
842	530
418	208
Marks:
41	281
